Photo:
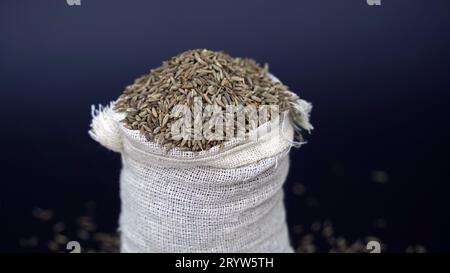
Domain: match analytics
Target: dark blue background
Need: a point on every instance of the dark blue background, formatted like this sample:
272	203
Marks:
378	78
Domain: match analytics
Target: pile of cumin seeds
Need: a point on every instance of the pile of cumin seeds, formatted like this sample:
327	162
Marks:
215	77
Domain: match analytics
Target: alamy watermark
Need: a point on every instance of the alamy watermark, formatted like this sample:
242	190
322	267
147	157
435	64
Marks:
214	123
73	2
373	2
373	247
74	247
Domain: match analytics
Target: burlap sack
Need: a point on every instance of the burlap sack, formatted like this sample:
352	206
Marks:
228	200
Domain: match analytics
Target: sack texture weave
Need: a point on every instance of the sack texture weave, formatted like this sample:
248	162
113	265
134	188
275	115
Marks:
228	200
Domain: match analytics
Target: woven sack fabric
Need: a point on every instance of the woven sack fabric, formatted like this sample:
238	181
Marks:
220	200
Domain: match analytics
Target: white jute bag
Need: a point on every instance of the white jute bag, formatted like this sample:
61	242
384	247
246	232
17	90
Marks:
220	200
